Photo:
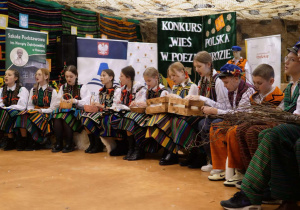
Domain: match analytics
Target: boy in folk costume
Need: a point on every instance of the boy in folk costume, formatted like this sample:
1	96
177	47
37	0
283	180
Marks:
276	162
36	120
238	100
135	123
13	99
129	93
103	100
67	121
266	95
159	126
242	63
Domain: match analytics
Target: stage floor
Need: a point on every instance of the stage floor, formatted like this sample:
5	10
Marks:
78	181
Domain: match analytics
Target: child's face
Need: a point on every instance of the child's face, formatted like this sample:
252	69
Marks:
124	80
236	54
231	83
40	77
202	68
261	85
177	77
105	78
292	64
151	82
70	78
10	78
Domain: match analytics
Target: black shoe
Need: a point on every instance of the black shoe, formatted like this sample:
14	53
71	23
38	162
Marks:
121	148
21	144
68	148
57	148
170	159
190	158
239	201
131	146
31	145
138	154
199	161
98	147
9	144
267	198
92	143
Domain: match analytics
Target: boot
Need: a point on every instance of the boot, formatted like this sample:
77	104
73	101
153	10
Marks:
21	143
199	160
131	146
31	145
9	144
121	148
190	158
92	143
98	146
138	154
170	159
58	145
68	147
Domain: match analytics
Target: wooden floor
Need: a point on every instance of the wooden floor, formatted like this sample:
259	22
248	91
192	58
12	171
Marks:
43	180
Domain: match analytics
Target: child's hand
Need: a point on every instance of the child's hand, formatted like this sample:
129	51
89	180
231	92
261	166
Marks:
39	110
191	97
209	110
133	104
142	104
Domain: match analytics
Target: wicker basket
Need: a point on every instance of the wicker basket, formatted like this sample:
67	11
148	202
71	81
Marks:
138	110
185	107
161	105
64	104
90	108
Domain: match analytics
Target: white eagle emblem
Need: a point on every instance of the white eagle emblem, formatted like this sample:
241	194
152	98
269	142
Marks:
103	48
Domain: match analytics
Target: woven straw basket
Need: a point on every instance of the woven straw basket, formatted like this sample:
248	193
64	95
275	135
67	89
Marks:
64	104
90	108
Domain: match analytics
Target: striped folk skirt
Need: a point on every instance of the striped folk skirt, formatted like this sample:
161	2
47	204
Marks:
92	121
7	119
37	124
70	116
276	164
136	124
109	124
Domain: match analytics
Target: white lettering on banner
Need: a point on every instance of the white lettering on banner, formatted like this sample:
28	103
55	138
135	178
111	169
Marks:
180	26
164	56
180	42
220	55
20	43
13	36
219	39
183	57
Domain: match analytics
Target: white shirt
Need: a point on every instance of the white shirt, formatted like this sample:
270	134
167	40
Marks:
248	71
85	96
23	98
53	104
139	96
223	104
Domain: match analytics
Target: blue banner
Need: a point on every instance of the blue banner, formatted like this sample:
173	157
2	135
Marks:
102	48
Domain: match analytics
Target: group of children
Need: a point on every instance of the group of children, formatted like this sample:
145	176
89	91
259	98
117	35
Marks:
262	154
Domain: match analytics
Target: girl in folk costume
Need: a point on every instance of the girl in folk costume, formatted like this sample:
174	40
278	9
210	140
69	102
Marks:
135	123
211	87
104	100
159	126
68	120
276	162
123	97
13	99
36	120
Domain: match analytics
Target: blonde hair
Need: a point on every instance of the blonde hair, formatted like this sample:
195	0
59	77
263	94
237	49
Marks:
204	57
177	66
46	72
151	72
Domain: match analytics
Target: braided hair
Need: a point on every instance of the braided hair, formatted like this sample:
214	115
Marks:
129	72
73	69
16	92
204	57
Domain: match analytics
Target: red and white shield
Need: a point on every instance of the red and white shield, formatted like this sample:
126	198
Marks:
103	48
